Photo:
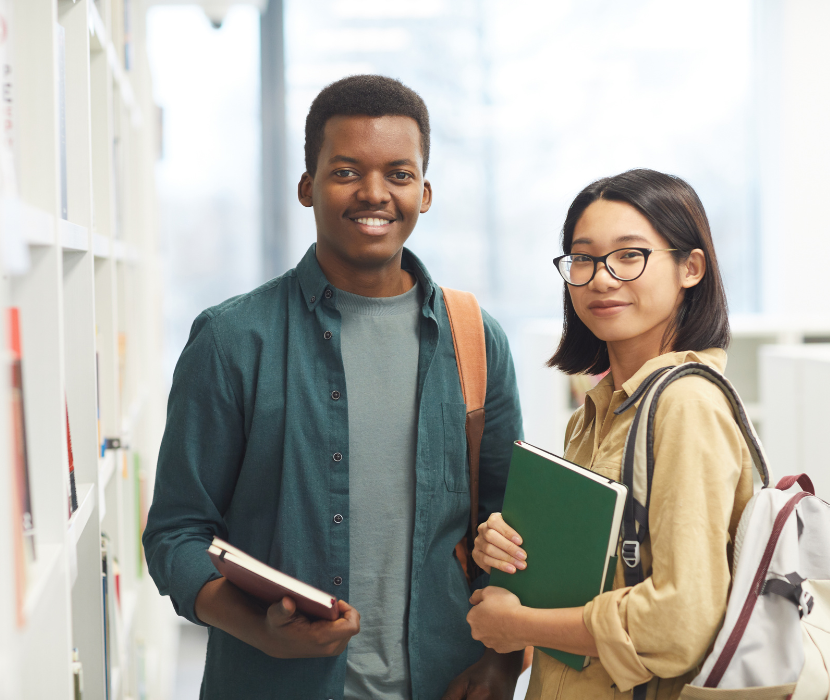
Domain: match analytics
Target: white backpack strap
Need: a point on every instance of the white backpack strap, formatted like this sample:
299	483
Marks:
638	456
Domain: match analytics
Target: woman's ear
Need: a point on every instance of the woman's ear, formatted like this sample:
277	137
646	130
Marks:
693	269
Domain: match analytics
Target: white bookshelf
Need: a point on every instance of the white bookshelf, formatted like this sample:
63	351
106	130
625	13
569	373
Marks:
795	384
546	393
83	285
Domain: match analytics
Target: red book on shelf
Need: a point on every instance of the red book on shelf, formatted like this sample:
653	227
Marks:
73	493
24	541
269	585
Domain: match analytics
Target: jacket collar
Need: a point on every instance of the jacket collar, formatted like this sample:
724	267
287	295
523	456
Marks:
313	282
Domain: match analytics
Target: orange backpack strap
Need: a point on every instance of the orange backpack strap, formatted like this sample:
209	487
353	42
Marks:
467	328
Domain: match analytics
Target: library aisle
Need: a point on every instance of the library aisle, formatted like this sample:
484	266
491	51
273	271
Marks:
82	416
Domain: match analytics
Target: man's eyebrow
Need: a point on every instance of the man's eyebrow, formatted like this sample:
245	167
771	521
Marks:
402	161
342	159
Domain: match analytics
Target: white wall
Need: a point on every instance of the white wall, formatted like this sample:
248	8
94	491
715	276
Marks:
793	113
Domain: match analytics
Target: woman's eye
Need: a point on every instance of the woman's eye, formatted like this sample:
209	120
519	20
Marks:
579	259
631	255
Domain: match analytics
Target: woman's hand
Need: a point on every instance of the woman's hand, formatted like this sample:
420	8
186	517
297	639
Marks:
497	545
494	619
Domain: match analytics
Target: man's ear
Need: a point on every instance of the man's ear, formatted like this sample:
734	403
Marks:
693	269
426	202
304	190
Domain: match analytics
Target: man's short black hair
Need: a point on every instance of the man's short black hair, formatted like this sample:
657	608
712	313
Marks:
366	95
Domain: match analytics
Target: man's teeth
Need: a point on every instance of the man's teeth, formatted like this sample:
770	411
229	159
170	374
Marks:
373	222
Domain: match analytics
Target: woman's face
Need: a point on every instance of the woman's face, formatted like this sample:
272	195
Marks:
618	311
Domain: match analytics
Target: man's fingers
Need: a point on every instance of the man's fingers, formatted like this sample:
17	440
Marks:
457	690
476	597
281	612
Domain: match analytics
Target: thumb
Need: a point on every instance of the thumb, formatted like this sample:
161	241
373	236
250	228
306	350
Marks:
282	611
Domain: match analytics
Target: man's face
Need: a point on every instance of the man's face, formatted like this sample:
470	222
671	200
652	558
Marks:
368	190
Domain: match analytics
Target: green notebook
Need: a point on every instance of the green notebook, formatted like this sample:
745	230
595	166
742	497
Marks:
569	519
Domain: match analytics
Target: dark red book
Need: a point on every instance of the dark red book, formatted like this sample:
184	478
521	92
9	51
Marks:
73	493
269	585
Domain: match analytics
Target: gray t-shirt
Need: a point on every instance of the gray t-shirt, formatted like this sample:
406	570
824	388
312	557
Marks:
380	347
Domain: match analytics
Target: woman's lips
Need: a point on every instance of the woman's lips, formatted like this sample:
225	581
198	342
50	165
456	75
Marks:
605	309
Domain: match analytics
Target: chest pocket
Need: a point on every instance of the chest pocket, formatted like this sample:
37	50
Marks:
456	471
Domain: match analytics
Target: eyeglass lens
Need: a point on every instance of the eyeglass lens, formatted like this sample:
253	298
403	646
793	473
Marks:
626	264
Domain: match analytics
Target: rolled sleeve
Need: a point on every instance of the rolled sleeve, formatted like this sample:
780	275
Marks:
664	625
199	460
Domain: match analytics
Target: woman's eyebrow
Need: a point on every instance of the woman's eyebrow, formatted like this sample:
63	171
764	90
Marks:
631	238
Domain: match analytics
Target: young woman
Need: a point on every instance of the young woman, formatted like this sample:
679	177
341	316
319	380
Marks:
643	291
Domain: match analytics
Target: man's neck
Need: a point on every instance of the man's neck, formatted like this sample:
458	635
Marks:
388	280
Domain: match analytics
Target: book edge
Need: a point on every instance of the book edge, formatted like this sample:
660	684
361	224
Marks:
246	561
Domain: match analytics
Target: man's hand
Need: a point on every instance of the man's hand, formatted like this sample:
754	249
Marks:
493	619
280	631
492	677
291	635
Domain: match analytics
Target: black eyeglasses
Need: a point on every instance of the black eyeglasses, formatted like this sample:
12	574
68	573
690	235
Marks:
625	264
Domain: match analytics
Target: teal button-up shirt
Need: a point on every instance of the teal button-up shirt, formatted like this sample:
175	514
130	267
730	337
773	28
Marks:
256	451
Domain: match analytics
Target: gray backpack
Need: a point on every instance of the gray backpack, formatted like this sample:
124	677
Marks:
775	640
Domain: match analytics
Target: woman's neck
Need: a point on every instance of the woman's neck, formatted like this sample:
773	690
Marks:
625	357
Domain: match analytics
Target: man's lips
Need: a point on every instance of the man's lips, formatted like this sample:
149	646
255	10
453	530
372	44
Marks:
375	219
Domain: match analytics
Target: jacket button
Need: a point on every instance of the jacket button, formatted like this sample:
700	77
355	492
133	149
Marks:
335	395
313	299
337	580
327	335
338	518
328	294
337	456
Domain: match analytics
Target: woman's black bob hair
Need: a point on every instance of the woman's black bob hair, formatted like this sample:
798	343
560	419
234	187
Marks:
675	211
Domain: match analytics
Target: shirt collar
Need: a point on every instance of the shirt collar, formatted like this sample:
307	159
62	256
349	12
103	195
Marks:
314	284
599	397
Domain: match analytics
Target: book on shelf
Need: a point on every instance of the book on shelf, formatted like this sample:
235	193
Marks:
73	492
569	519
77	675
269	585
105	585
24	541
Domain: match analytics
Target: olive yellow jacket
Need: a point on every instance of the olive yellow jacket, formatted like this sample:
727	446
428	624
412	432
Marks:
660	630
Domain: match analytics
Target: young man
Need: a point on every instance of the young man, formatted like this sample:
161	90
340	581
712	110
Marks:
317	423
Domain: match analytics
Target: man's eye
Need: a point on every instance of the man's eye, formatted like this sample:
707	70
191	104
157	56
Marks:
344	173
401	176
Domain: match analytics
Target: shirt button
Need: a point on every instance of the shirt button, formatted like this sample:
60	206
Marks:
337	580
313	299
328	294
335	395
337	456
338	518
327	335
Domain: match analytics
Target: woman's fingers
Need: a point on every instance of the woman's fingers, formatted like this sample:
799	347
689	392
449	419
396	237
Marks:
496	522
497	546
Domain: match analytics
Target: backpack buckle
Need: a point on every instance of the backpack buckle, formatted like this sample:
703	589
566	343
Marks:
631	553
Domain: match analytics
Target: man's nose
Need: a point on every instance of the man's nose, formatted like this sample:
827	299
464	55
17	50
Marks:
373	189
